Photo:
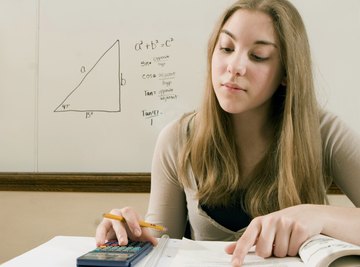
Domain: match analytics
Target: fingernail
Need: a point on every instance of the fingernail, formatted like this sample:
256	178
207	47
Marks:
235	263
137	232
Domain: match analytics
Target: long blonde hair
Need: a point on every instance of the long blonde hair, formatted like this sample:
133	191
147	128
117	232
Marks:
291	172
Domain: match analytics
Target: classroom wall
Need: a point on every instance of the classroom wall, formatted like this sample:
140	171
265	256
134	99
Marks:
48	48
28	219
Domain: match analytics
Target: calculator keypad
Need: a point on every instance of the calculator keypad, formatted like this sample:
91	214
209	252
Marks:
113	246
114	255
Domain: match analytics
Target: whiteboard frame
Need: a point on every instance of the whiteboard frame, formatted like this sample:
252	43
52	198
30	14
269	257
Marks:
134	182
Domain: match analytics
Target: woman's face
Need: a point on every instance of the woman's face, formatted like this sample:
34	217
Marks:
246	68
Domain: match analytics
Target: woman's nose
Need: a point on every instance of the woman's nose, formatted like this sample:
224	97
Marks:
236	67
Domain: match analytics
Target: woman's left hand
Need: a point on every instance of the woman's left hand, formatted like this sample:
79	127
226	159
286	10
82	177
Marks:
280	233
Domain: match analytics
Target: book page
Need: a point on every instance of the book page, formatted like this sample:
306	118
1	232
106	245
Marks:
322	250
212	254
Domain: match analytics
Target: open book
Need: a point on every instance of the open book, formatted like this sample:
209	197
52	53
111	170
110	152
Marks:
322	250
319	251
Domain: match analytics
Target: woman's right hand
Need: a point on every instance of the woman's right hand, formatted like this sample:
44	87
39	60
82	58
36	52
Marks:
110	229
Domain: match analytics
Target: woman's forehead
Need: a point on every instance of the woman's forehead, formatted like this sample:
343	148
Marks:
251	25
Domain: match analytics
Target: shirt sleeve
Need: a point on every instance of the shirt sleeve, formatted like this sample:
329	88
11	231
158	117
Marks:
167	203
342	155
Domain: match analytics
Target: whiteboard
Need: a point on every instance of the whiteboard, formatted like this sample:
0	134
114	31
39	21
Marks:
17	85
86	86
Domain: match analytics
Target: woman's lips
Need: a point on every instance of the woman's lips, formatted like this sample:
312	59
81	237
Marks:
233	86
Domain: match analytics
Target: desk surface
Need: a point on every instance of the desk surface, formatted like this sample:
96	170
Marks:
62	251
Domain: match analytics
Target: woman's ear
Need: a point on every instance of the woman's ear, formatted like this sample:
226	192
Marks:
284	81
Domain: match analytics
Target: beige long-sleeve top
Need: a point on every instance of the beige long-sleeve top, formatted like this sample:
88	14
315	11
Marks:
172	205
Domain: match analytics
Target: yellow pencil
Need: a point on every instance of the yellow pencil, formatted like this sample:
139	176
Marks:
142	223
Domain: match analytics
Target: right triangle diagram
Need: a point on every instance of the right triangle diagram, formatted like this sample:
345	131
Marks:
100	89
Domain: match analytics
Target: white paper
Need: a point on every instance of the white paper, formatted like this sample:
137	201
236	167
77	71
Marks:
212	254
61	251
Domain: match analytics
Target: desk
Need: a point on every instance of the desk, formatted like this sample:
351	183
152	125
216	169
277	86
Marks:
62	251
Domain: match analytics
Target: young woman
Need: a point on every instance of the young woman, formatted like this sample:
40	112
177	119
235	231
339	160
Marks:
254	162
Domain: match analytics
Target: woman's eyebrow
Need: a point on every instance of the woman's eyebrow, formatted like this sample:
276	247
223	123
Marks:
258	42
263	42
232	36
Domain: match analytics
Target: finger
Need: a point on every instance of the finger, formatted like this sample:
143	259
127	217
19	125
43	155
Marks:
298	237
118	228
266	237
146	236
110	235
102	232
132	221
120	232
245	242
282	239
230	248
130	228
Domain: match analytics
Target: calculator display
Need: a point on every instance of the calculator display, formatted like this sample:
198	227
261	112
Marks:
111	254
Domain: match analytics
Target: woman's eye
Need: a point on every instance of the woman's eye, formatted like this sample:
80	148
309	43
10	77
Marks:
258	58
226	49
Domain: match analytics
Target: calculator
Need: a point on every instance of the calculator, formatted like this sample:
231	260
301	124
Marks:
112	254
